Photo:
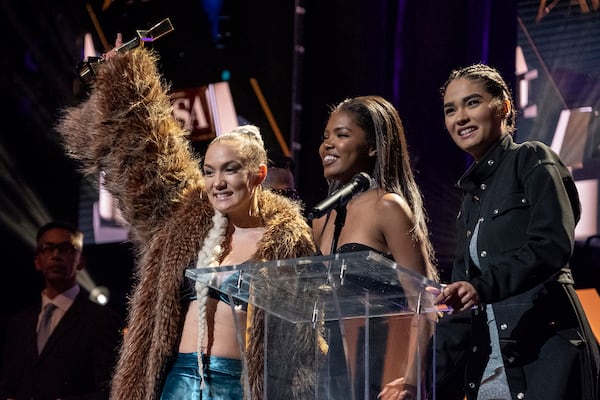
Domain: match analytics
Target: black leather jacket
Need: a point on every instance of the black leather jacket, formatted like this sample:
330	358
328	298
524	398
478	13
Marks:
527	206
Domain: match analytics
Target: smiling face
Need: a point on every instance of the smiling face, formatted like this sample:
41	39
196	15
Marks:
345	150
473	117
229	183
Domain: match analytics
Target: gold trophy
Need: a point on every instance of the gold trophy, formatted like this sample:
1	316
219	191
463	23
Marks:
88	69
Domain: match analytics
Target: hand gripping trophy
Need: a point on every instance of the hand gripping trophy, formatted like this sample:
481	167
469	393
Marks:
88	68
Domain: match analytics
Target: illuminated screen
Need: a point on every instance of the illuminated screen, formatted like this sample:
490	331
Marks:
558	90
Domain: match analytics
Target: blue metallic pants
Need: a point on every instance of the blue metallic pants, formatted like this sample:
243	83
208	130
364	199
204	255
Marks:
221	378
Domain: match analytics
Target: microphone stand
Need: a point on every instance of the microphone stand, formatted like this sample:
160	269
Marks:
340	219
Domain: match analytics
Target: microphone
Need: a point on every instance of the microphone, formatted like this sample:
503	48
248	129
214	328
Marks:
359	183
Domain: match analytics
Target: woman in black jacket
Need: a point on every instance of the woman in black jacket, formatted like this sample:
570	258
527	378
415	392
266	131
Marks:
516	329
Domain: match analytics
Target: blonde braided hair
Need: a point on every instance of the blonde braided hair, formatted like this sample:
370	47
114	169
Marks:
208	256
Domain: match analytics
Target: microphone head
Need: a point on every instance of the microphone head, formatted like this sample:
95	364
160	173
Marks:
359	183
362	180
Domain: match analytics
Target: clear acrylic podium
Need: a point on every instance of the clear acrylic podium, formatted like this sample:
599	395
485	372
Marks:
372	321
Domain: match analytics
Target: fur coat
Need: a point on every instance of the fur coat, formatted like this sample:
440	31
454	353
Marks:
125	130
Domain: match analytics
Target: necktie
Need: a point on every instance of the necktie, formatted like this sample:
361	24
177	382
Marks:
45	326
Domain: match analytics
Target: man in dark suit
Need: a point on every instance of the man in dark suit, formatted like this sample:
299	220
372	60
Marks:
76	359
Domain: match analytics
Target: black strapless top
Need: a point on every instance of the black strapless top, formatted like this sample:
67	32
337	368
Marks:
351	247
385	285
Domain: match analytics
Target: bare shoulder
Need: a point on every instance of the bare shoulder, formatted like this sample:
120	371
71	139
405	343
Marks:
393	210
395	204
384	207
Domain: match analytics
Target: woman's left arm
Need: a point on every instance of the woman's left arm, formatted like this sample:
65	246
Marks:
395	220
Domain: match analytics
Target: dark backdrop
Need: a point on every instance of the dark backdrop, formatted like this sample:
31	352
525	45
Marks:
400	49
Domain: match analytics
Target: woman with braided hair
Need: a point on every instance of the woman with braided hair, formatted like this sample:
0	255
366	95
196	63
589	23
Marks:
181	343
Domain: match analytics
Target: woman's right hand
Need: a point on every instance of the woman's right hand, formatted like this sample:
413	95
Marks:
459	296
398	389
112	52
